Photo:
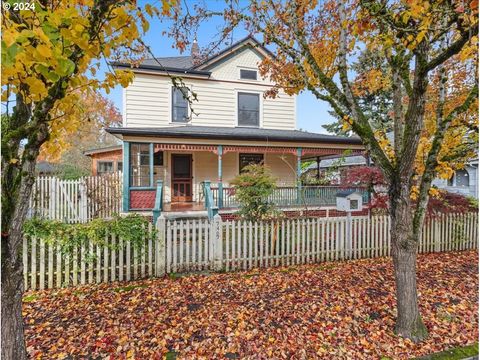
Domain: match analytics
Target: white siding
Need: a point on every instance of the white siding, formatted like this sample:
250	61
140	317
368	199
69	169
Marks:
205	167
148	98
230	69
283	168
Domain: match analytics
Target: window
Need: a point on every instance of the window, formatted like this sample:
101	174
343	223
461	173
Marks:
104	167
158	158
247	159
179	104
248	109
353	204
248	74
157	165
140	165
119	165
462	178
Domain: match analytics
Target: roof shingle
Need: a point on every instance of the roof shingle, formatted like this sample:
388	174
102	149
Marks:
235	133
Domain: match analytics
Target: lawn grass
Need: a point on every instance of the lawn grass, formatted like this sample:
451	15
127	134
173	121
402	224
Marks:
453	354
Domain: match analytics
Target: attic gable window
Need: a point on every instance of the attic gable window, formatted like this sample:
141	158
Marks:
248	109
248	74
179	104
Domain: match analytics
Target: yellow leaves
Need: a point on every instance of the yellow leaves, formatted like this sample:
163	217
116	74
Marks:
385	144
470	50
44	51
149	9
37	87
9	36
434	192
414	192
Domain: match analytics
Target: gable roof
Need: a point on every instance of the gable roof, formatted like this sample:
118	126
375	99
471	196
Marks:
346	193
185	64
91	152
249	42
172	62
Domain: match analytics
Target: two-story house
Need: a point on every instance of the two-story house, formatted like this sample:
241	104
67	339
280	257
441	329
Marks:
232	124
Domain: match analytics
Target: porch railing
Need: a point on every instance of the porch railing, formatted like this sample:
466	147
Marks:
291	196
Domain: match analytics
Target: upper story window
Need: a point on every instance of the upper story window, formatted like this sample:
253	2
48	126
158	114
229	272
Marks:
248	109
179	104
248	74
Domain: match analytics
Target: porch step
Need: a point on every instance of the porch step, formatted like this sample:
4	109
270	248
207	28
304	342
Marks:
183	215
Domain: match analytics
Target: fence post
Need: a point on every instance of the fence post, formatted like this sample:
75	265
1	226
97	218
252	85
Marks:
83	201
436	234
217	241
160	261
348	237
52	199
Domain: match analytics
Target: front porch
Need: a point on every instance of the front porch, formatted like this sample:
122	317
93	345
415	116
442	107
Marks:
176	178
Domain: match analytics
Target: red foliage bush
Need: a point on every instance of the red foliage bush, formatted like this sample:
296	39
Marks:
448	202
372	178
363	175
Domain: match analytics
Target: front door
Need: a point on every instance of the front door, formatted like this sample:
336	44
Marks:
181	177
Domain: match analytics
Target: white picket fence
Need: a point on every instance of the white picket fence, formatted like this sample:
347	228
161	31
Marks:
202	245
76	201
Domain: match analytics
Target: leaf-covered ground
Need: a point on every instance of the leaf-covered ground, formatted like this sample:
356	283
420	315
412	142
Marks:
343	310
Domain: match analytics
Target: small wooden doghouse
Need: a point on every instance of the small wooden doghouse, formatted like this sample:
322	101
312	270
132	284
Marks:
349	200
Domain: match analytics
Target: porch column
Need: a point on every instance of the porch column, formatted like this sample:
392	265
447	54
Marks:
318	167
220	183
151	165
299	174
126	176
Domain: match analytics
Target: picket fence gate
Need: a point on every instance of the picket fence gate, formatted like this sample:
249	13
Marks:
203	245
76	201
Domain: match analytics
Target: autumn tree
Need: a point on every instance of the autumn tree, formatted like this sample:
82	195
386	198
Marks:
430	48
66	149
50	58
96	113
375	101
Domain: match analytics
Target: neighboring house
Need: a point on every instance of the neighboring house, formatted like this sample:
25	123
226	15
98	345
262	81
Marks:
106	160
464	182
332	167
230	126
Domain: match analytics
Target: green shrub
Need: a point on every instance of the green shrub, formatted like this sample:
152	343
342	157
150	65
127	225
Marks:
253	187
132	228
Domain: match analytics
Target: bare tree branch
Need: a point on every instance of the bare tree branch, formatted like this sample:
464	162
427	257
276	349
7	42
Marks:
453	49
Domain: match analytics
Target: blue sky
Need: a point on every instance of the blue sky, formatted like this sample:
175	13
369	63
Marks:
311	113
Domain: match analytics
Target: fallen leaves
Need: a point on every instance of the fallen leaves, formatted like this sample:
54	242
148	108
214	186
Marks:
340	310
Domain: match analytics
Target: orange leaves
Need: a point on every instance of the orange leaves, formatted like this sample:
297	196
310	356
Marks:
370	82
341	310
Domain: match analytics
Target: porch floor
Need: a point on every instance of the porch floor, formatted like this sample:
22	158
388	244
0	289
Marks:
183	206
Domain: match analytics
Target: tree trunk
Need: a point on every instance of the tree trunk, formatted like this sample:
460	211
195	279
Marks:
409	322
13	344
14	211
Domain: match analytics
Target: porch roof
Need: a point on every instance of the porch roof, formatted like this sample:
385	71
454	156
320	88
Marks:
235	133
